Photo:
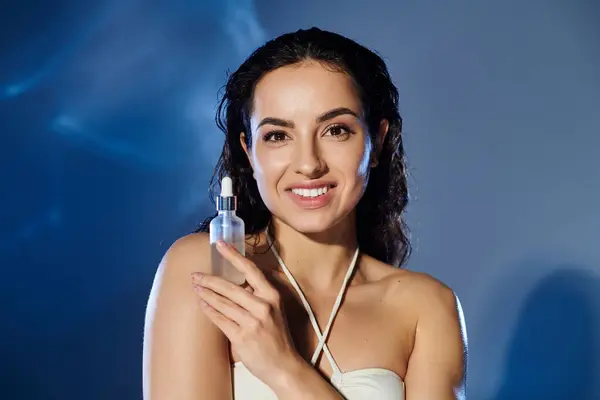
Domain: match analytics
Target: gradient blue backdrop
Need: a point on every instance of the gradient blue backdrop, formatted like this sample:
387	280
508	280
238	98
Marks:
108	142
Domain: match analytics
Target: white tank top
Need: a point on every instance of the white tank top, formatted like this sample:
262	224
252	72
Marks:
367	383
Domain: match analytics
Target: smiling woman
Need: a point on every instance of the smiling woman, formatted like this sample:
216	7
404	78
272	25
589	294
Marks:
316	193
323	143
313	143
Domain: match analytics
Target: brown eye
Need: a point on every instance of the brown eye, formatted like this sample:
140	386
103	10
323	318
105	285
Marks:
277	136
338	131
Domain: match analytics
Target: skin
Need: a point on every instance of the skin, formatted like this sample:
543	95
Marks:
198	324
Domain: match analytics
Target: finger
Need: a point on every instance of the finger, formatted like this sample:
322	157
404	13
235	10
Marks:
228	327
223	305
223	287
229	298
254	276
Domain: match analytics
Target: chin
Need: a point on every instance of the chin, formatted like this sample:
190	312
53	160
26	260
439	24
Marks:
311	222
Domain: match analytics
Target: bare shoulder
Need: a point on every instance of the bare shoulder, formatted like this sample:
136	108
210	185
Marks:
421	291
189	253
186	255
437	365
421	296
185	355
172	280
427	292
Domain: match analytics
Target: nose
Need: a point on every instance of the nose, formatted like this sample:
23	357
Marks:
309	161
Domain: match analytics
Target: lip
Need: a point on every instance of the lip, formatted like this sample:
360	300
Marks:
312	203
312	185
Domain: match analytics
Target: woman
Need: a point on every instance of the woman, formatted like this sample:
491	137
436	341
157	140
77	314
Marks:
314	147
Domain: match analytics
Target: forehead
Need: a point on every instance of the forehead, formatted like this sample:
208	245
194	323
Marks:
303	91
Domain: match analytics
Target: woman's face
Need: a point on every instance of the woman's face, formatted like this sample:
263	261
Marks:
310	146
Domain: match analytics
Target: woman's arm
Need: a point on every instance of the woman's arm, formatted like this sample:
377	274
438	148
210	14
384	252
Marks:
438	363
185	356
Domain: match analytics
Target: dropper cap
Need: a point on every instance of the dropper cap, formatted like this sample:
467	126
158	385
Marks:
226	201
226	187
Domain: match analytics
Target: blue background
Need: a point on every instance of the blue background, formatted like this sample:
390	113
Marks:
108	142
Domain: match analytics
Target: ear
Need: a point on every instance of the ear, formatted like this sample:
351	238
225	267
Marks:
246	150
384	127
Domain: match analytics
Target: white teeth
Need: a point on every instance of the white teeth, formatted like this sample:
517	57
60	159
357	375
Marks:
310	192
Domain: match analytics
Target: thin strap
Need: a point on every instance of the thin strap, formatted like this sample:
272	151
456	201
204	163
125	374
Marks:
322	346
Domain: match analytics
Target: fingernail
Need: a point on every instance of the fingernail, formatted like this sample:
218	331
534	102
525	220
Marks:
197	276
221	244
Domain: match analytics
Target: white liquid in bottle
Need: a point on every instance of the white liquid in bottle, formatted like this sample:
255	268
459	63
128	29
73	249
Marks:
227	226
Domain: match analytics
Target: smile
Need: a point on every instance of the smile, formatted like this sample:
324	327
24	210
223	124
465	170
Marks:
312	198
310	193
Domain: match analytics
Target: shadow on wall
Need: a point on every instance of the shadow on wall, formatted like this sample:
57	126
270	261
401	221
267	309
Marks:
554	349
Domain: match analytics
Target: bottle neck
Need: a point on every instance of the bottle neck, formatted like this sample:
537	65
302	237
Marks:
228	203
226	212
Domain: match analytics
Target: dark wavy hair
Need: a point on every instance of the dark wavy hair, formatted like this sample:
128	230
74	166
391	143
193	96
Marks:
381	229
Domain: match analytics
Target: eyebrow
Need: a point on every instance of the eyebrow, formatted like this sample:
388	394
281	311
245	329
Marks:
320	119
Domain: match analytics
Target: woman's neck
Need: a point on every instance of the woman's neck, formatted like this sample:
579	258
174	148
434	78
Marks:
321	260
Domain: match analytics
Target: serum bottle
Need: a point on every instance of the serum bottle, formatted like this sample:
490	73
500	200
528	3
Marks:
226	226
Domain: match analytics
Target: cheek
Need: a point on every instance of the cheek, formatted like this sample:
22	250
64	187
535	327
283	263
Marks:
262	163
268	167
356	163
363	165
356	168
